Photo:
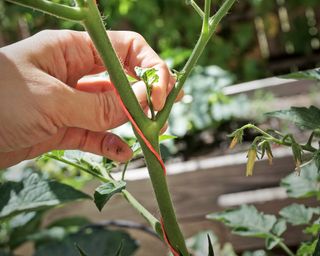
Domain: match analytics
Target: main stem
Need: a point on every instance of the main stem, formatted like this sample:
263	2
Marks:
95	27
160	187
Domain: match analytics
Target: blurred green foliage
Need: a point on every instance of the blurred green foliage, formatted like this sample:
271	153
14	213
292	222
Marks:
171	28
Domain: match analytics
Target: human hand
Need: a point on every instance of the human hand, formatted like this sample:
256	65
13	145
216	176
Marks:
44	107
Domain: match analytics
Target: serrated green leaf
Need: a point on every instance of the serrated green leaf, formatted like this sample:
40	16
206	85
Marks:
306	118
23	225
246	221
94	242
272	242
297	214
307	249
104	192
304	75
35	193
198	243
165	137
305	185
314	229
280	227
148	75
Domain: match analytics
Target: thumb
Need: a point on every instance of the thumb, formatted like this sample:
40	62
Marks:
95	106
101	143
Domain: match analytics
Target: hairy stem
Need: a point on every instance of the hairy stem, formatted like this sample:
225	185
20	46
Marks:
95	27
55	9
160	187
306	147
154	223
163	115
207	7
197	8
79	166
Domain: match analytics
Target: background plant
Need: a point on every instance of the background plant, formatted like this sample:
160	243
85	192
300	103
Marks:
246	220
235	48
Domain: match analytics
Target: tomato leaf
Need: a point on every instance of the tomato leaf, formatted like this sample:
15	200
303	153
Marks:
35	193
93	242
308	249
298	214
104	192
305	185
246	221
165	137
148	75
22	225
304	75
306	118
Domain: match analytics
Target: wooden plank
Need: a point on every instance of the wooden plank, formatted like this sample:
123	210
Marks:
278	86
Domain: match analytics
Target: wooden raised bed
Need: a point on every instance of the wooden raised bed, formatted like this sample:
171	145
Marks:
201	186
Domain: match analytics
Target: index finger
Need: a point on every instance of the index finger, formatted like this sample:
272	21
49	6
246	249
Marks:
134	51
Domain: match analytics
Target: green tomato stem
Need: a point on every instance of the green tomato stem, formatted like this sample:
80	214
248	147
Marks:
207	7
197	8
80	167
95	27
205	35
306	147
162	194
154	223
286	249
55	9
149	88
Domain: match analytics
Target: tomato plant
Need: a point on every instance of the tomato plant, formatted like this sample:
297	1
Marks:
247	221
147	130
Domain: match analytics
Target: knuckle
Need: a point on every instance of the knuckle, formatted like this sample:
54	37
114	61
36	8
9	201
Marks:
83	141
104	113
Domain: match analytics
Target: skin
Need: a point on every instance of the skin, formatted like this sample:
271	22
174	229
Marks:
45	104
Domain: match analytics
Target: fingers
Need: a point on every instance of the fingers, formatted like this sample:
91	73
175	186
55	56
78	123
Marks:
101	143
72	55
134	51
97	107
